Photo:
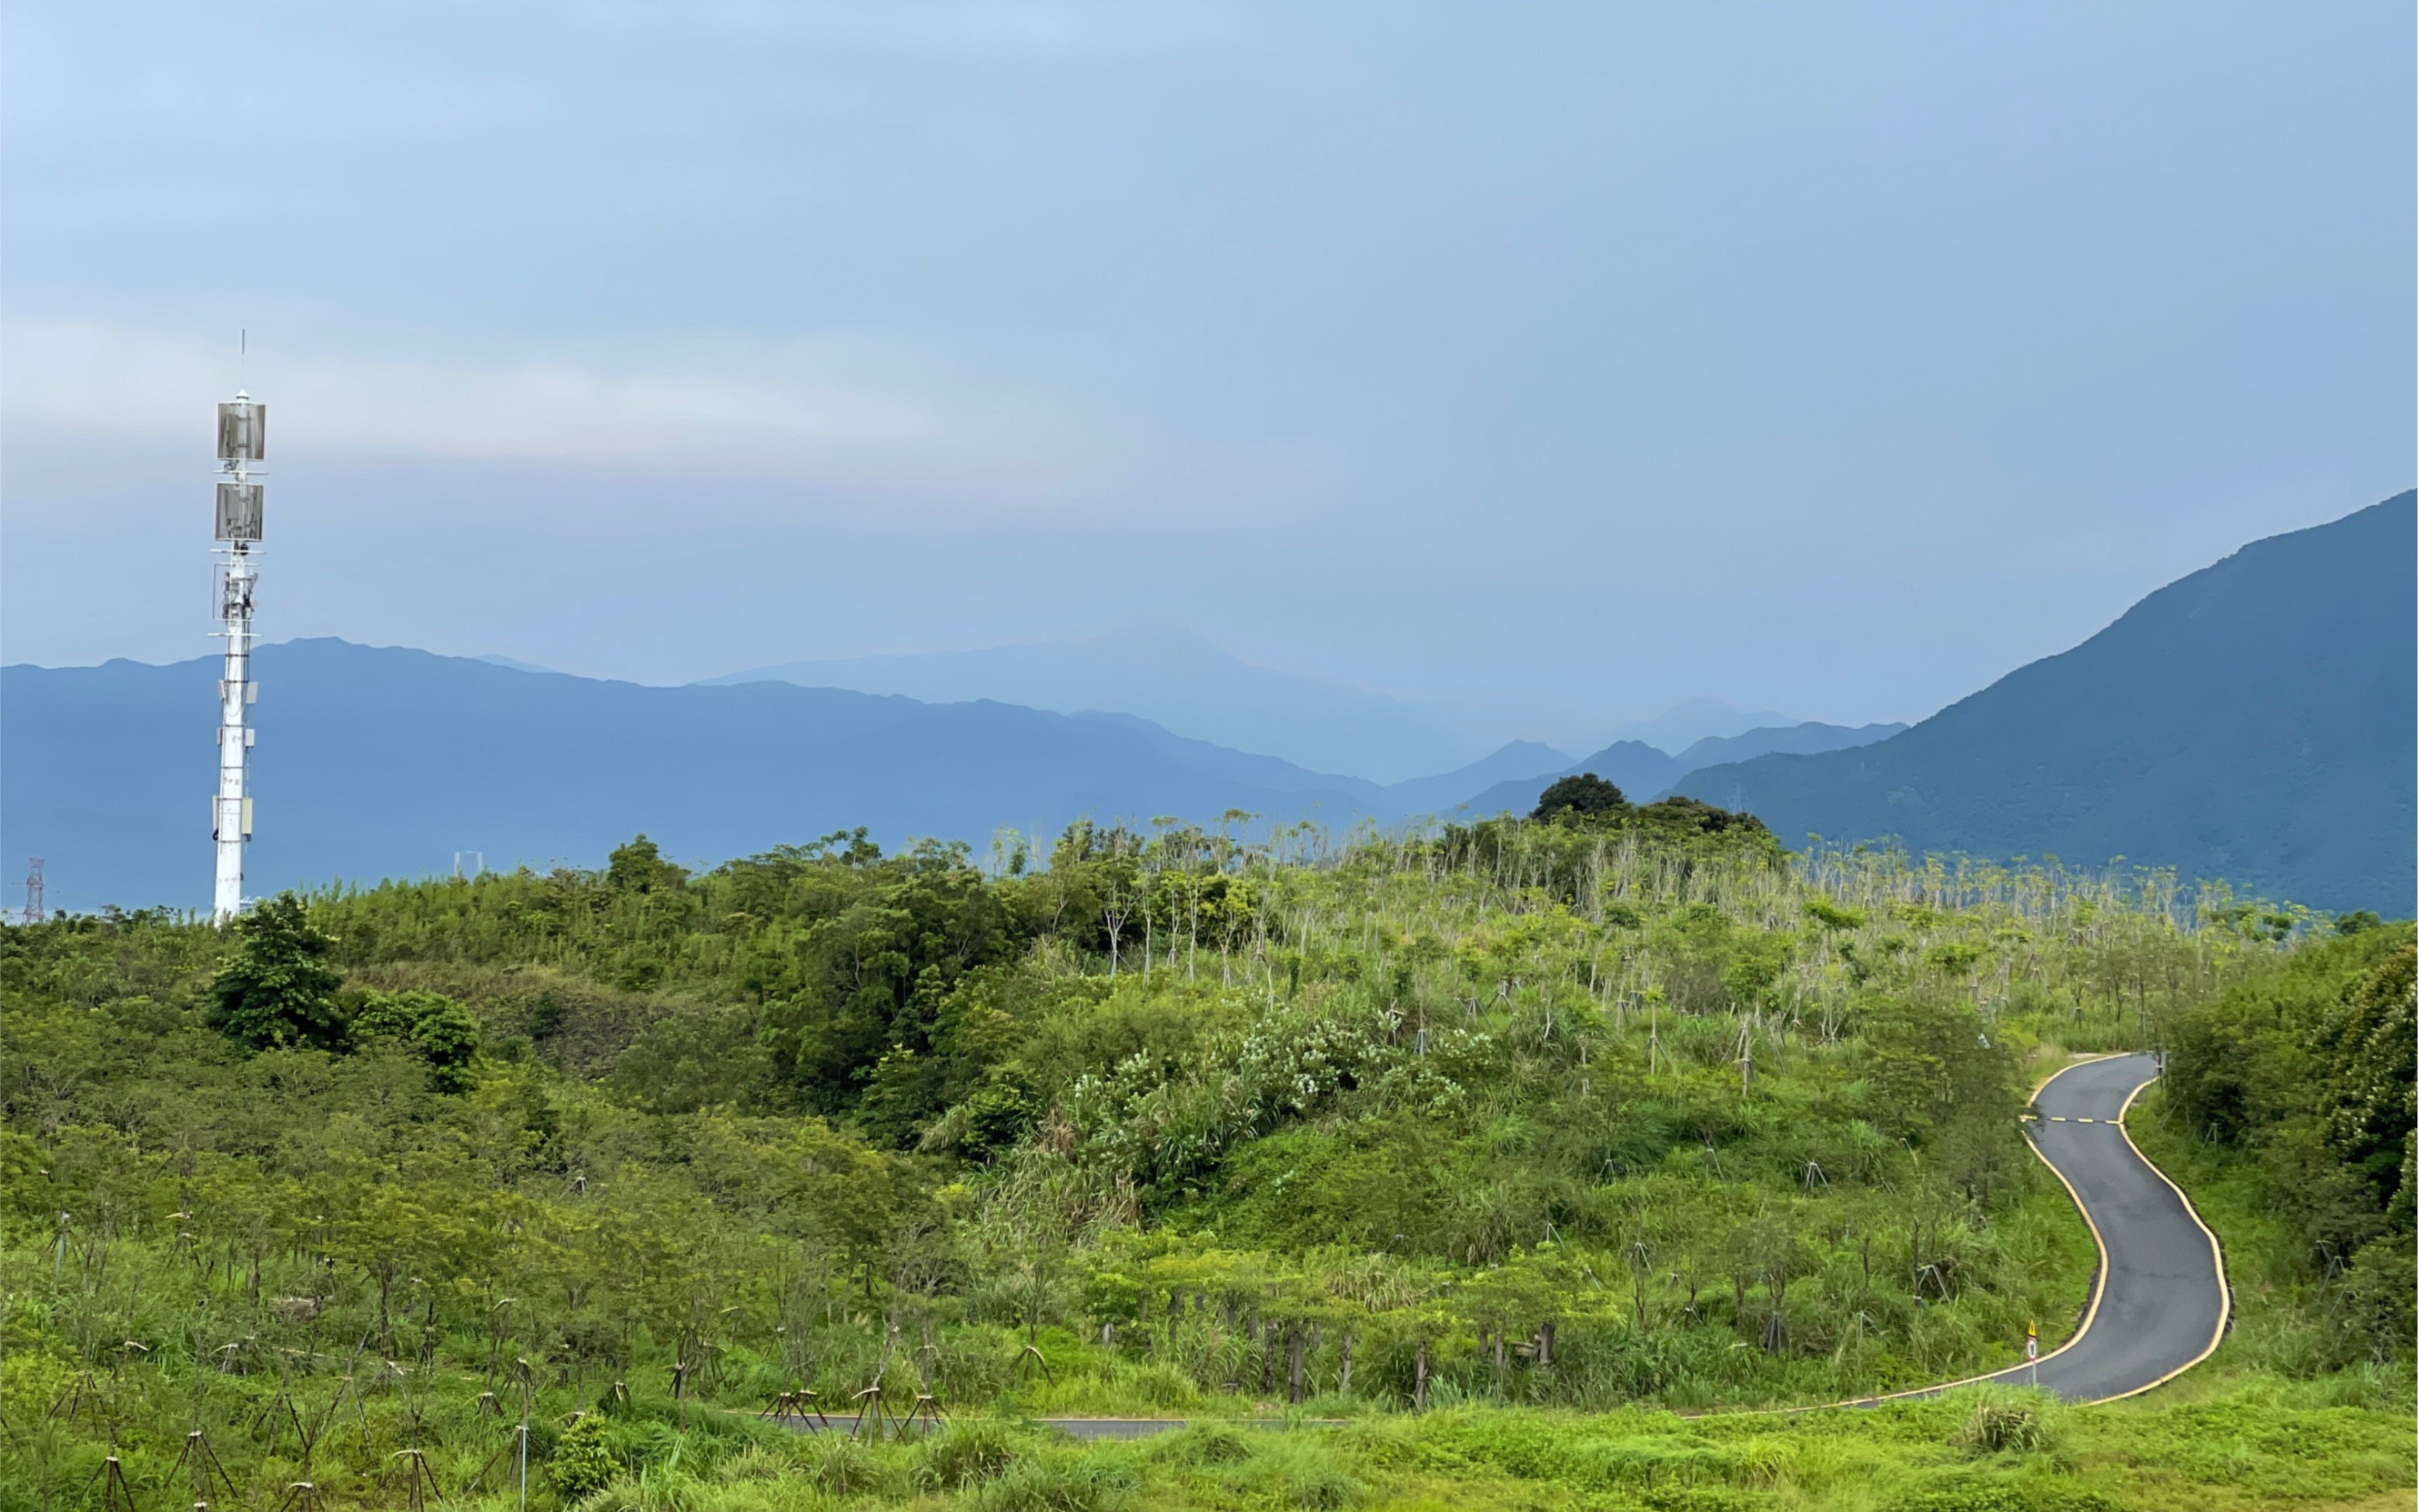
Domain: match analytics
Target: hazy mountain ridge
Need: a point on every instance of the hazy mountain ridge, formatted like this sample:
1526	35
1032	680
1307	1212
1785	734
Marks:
1643	773
381	762
104	782
2255	721
1189	686
1197	690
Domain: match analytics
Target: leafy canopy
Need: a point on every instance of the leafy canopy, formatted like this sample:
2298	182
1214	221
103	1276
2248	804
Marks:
279	989
431	1026
1585	796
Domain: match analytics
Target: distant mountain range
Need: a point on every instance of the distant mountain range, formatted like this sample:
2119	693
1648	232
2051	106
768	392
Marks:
1198	690
1172	678
1690	720
383	762
1643	772
2256	721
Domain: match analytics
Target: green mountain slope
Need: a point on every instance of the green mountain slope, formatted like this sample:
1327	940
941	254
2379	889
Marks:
2255	722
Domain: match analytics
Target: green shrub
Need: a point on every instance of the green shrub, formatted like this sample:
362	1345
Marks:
1055	1483
2010	1423
967	1452
430	1026
1203	1444
845	1466
584	1462
651	1490
1299	1470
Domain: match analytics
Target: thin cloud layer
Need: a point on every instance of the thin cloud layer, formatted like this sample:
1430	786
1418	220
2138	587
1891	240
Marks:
792	404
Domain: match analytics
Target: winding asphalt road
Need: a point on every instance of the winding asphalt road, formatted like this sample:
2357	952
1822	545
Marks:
2159	1303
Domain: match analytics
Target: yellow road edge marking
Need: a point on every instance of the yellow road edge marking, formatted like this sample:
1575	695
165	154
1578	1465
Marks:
2215	1246
2090	1315
2098	1283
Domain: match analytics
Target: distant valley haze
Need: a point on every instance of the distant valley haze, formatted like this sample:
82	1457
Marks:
555	770
2254	724
1194	688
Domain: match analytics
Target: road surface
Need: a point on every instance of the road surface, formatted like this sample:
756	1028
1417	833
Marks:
2159	1303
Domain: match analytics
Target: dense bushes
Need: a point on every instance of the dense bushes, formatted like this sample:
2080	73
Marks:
2311	1067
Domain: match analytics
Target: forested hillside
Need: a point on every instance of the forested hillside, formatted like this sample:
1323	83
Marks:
1624	1108
2255	722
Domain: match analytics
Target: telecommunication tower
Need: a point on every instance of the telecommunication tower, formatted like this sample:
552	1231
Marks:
35	912
243	439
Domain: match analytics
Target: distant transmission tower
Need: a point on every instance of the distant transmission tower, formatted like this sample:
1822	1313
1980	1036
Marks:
243	439
34	912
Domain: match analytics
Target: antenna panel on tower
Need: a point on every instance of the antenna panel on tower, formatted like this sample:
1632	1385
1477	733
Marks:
243	431
239	512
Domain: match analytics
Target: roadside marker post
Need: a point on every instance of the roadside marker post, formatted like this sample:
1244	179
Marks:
2032	1351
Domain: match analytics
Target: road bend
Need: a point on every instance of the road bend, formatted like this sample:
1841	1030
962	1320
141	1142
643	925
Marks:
2159	1303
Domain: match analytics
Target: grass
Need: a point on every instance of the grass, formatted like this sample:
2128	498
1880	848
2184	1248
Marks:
2238	1444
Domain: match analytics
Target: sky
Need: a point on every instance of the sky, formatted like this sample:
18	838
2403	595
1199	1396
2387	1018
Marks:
1564	361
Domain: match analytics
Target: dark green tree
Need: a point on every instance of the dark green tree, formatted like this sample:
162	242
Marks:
2370	1100
639	868
277	991
1586	796
431	1026
1676	817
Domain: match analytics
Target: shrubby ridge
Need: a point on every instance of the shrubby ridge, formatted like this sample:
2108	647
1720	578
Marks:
1621	1108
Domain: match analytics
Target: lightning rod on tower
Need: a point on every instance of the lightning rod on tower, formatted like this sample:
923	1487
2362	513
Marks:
243	437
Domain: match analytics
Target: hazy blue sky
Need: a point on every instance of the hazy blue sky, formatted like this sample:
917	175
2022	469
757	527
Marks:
1833	358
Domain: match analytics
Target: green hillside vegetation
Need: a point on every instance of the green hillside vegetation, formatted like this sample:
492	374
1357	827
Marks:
1501	1145
2291	1105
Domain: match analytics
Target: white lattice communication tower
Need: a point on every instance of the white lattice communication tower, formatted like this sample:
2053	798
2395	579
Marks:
243	440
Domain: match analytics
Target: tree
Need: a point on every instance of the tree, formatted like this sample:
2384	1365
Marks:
431	1026
1676	816
1941	1078
2371	1097
639	868
1586	796
278	991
